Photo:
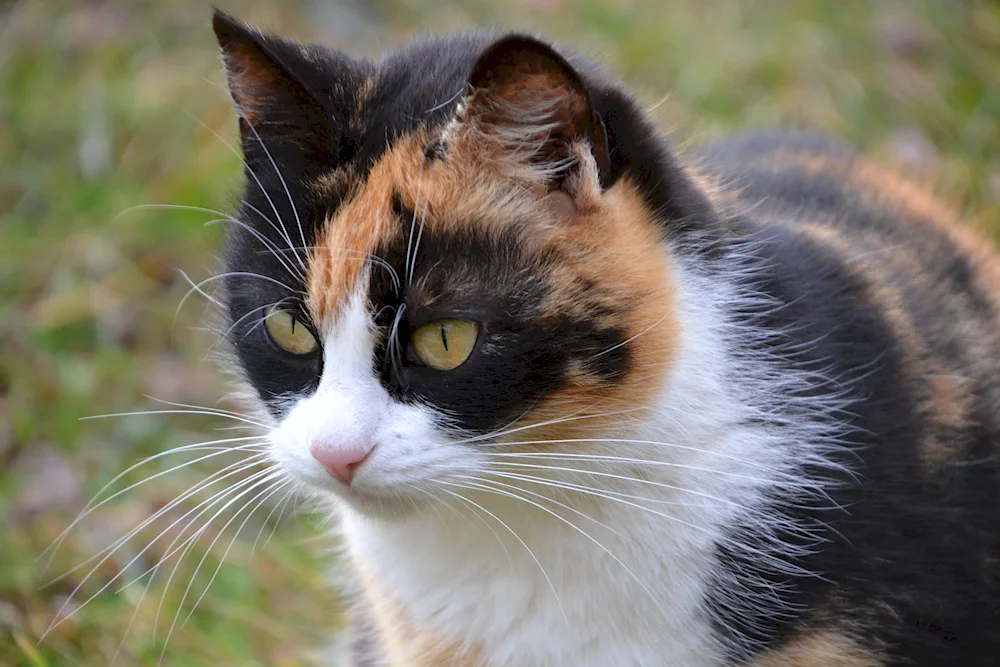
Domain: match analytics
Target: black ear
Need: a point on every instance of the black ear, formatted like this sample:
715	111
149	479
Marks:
522	88
277	88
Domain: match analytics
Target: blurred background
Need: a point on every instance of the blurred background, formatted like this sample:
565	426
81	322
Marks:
109	105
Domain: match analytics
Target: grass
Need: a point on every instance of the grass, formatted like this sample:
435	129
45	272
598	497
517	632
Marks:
105	106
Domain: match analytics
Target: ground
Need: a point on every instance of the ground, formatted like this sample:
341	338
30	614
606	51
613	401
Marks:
105	106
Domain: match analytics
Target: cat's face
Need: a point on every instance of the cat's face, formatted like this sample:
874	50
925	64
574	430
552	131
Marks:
444	273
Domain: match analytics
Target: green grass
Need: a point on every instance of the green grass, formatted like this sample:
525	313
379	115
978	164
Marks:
107	106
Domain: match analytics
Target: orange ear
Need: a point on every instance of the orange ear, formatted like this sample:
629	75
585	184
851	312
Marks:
523	91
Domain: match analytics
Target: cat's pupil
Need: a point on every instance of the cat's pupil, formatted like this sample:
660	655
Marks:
444	337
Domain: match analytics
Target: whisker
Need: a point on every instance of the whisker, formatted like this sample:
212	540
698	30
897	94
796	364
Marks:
730	542
173	207
543	497
629	340
413	223
475	510
131	622
106	552
201	508
281	178
669	464
267	478
196	288
269	246
367	256
60	618
416	246
574	486
572	417
282	231
90	507
225	334
517	537
207	412
218	411
626	478
270	492
395	354
283	504
587	535
229	274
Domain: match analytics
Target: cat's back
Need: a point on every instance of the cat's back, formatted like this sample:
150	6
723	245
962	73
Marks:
850	227
886	292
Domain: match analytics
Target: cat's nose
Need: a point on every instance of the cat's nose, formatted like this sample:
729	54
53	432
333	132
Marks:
340	461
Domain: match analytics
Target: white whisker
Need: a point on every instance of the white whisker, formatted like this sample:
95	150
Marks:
60	618
270	492
622	459
263	477
538	495
587	535
91	507
475	510
105	553
281	231
626	478
283	504
413	223
629	340
517	537
199	411
291	201
269	247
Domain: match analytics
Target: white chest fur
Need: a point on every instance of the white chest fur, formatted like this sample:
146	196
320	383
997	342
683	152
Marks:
583	596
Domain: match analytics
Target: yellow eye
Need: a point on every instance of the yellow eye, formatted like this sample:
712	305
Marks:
445	344
288	332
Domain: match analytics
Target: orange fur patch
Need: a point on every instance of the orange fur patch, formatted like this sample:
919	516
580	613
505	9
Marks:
606	240
620	234
610	241
951	407
811	649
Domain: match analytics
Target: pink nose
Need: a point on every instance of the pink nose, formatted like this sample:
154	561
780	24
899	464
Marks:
341	462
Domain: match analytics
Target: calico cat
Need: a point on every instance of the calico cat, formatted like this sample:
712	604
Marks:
580	399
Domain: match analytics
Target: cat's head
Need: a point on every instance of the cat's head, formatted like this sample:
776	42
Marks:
449	256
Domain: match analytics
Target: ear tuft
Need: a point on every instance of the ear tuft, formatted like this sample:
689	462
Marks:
523	91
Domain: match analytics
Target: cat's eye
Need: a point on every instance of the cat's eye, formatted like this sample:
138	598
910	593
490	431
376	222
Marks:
288	332
445	344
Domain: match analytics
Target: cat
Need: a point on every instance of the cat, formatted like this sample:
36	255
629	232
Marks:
579	398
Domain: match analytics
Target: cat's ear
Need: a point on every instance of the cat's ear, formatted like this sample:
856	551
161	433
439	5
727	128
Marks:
523	92
268	79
